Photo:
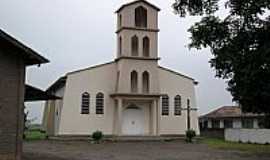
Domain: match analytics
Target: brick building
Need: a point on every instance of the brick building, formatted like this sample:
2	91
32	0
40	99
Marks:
14	58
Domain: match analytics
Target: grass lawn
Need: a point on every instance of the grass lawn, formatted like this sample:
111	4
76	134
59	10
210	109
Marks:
34	135
251	148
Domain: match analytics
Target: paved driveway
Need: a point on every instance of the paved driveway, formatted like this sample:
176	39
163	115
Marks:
56	150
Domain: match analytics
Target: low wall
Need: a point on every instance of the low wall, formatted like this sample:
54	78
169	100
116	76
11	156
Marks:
260	136
212	133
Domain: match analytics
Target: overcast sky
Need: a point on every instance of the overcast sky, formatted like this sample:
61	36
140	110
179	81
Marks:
75	34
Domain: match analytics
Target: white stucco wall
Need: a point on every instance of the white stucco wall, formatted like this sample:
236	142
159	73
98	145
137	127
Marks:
172	85
103	79
260	136
126	66
58	107
95	80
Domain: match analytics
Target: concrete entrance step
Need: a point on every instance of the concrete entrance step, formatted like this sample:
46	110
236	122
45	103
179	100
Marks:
145	138
70	138
119	138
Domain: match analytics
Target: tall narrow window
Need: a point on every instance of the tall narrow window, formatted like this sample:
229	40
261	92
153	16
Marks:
145	79
100	103
177	105
120	21
140	17
117	81
120	45
165	105
85	103
134	81
146	47
134	46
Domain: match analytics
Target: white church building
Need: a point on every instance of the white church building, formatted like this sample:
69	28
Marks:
130	96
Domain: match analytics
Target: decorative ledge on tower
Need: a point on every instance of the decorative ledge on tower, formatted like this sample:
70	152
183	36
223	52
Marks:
137	28
138	58
137	95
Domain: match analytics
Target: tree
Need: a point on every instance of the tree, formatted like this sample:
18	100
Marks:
240	44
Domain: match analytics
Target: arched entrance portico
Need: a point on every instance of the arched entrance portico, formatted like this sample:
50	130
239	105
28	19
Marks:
133	121
139	117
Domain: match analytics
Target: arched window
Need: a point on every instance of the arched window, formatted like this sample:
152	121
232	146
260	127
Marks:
120	45
134	46
100	103
177	105
85	103
165	105
145	78
134	81
140	17
146	47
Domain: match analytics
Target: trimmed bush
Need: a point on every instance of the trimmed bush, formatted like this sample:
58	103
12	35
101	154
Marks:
97	136
190	134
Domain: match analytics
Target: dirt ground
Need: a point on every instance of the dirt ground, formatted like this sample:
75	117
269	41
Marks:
178	150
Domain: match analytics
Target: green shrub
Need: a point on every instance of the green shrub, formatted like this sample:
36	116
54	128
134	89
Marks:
34	135
190	134
97	136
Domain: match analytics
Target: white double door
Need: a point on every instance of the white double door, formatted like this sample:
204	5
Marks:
133	122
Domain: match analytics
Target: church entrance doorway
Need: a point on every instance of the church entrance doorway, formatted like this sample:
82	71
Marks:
133	121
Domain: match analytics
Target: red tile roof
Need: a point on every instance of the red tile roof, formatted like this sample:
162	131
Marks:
228	112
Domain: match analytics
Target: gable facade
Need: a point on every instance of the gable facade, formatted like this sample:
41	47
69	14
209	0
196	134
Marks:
127	96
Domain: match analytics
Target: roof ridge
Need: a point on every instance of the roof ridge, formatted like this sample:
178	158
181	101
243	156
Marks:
227	111
91	67
27	50
137	1
176	72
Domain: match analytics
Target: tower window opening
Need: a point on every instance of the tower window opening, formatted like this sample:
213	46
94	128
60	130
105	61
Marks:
141	17
134	46
146	47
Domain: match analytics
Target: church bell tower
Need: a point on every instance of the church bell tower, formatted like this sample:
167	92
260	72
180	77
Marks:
137	30
137	48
